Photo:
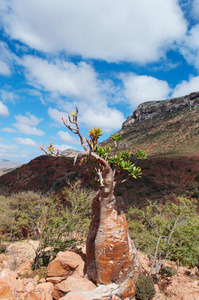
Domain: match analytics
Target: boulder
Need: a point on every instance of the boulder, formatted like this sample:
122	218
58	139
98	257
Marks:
65	262
72	283
5	291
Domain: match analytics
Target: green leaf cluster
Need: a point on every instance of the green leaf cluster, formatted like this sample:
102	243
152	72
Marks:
102	151
116	137
119	162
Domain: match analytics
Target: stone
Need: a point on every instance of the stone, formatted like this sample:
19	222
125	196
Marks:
5	292
64	262
55	280
29	287
73	296
72	283
45	288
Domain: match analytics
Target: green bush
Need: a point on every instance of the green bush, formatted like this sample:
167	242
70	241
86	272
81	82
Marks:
167	231
145	288
168	271
47	219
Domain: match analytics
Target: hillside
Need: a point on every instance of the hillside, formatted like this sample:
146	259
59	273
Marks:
167	130
173	133
162	178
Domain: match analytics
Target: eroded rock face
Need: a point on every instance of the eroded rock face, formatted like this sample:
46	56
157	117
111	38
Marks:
149	110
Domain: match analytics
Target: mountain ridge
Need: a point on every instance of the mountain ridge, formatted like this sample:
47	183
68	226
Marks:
151	109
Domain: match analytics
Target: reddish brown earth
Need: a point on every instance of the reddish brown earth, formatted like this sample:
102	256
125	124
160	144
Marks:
162	178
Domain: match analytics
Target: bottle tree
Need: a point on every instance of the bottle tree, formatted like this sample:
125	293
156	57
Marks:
111	254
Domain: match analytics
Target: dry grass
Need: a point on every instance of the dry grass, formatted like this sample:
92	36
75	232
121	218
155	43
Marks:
168	134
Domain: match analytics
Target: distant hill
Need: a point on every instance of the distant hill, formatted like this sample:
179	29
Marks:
4	163
169	127
8	166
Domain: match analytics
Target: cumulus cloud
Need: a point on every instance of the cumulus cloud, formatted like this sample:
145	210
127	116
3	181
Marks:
3	110
29	119
81	84
8	129
67	138
12	152
28	130
108	119
186	87
26	124
4	68
64	77
138	89
7	58
114	30
195	9
26	142
57	115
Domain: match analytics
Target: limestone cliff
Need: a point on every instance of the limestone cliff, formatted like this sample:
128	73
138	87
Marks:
151	109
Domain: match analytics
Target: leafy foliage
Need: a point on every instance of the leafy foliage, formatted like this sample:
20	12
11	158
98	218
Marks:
167	231
55	225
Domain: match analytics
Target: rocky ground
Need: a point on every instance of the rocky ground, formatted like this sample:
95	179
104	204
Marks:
64	278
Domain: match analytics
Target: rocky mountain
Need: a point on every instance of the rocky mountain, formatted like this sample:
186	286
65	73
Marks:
169	127
151	109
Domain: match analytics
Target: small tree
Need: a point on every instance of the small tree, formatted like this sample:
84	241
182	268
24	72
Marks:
111	255
167	231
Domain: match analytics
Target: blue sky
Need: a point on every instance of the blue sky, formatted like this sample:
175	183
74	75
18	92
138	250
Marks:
104	56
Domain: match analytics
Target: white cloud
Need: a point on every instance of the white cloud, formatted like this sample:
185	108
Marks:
113	30
12	152
102	117
26	142
26	124
8	148
28	130
186	87
29	119
7	96
8	129
57	115
7	58
81	84
4	68
3	110
138	89
79	81
195	9
67	138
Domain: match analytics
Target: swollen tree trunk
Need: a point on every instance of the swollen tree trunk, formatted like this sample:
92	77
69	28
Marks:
111	255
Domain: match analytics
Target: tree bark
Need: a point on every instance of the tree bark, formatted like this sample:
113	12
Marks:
111	255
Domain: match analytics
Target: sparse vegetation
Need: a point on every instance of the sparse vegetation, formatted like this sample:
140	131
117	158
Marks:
145	288
167	231
56	225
